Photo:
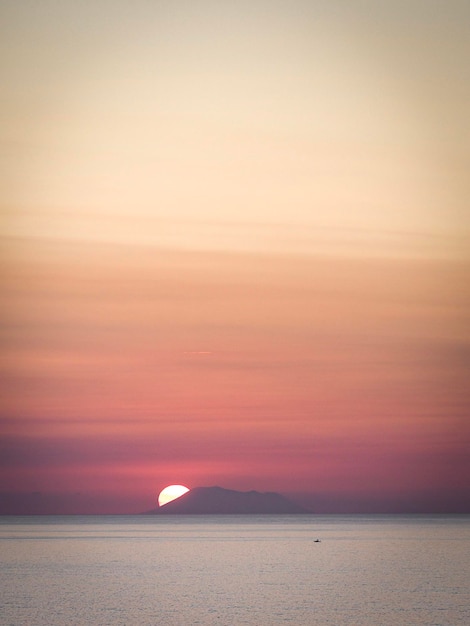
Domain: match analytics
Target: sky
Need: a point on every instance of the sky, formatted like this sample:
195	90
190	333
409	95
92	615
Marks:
235	251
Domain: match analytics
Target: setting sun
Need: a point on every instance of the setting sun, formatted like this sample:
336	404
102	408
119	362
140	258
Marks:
171	493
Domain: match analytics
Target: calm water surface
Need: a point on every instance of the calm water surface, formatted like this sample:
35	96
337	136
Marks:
264	570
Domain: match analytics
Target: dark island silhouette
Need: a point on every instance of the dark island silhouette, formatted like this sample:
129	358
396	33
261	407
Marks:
217	500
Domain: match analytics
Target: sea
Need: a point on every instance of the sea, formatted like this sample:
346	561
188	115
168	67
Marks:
233	570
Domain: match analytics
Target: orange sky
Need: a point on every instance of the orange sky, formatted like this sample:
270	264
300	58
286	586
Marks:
125	369
235	252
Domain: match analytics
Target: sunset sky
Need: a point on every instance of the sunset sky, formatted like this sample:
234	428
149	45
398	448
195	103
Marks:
235	251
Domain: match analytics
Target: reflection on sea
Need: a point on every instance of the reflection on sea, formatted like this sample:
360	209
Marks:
142	570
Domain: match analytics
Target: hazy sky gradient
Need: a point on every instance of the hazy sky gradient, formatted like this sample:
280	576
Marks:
236	251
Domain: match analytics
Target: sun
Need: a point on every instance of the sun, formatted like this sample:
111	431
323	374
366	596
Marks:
171	493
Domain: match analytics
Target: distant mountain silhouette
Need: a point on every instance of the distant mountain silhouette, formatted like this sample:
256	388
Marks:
217	500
